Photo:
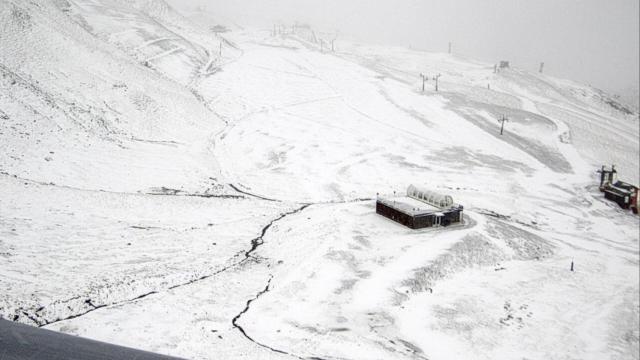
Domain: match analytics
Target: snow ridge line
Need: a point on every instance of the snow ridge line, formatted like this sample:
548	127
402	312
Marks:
235	319
252	195
40	322
338	202
163	191
168	192
493	214
93	308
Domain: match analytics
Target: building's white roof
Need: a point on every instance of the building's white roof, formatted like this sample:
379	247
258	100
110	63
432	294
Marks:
409	205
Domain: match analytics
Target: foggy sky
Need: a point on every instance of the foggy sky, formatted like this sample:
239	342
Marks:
591	41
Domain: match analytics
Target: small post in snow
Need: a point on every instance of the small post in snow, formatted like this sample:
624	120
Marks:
571	264
220	51
502	120
424	79
541	67
436	79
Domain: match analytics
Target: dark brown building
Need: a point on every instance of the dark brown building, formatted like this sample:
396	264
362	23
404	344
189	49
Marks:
420	209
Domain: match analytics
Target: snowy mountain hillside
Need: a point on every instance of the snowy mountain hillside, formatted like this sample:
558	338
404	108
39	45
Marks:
153	34
80	112
171	187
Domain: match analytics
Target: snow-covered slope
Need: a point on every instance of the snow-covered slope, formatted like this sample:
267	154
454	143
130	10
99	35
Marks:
207	195
153	34
80	112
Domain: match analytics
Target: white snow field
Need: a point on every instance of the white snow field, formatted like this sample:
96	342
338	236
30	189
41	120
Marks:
212	195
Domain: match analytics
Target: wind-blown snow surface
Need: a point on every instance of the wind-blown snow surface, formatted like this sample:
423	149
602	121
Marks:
209	195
